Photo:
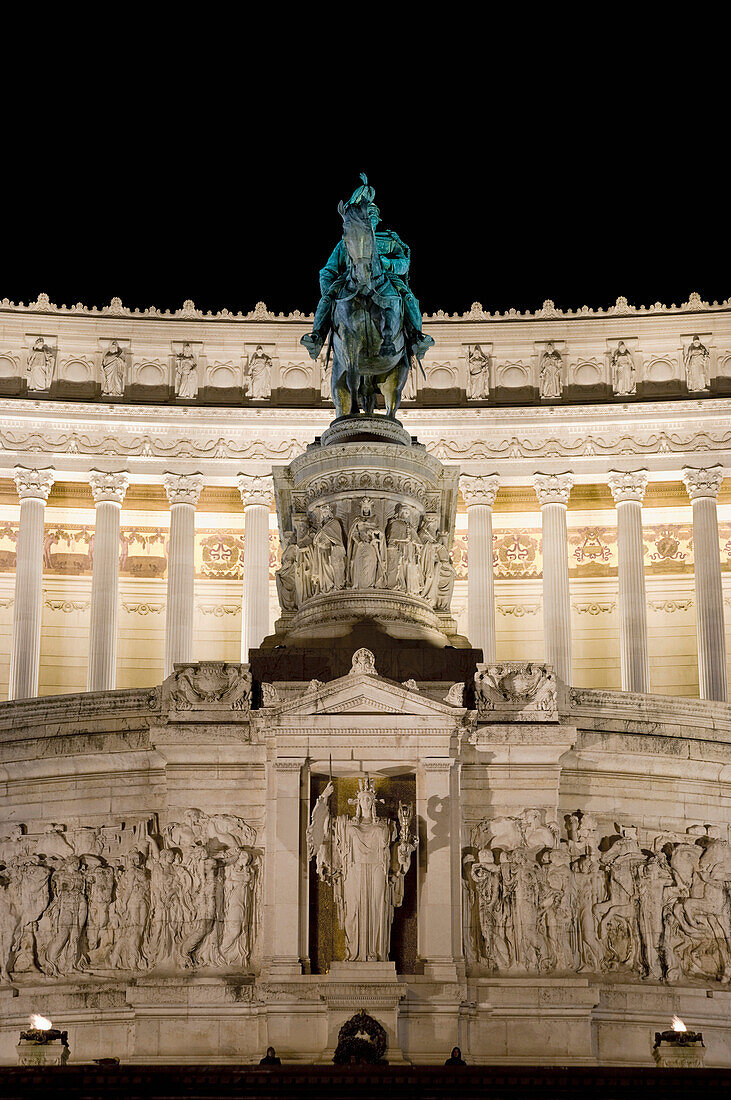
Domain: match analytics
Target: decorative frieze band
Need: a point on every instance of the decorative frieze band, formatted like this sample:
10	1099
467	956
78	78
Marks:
704	482
108	487
183	488
628	485
436	764
288	764
255	489
33	484
481	489
553	488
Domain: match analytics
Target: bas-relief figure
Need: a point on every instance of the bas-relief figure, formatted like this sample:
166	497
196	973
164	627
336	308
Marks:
537	902
478	378
186	374
184	897
550	372
365	858
368	307
624	374
258	375
366	550
403	573
407	557
113	370
696	359
328	552
41	361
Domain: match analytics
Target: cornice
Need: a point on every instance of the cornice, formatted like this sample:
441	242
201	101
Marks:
261	313
663	436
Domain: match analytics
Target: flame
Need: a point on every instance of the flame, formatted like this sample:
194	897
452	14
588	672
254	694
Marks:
40	1023
677	1024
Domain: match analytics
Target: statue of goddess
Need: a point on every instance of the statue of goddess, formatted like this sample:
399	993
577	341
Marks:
696	359
623	370
550	380
40	365
366	863
186	374
113	370
260	375
478	381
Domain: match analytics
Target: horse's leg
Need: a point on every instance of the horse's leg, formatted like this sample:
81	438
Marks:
340	391
390	319
350	356
339	383
392	384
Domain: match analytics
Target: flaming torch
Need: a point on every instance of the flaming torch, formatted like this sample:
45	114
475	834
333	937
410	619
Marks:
42	1044
678	1047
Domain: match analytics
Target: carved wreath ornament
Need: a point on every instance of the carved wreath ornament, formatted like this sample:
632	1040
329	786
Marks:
361	1038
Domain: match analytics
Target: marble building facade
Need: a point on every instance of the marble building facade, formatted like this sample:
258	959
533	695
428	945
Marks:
585	757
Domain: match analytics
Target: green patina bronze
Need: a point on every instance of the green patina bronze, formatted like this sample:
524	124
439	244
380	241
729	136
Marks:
368	310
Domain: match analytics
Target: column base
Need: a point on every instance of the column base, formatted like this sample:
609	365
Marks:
441	970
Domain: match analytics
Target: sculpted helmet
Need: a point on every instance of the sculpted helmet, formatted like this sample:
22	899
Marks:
365	191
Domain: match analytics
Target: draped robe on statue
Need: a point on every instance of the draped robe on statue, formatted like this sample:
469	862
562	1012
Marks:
363	889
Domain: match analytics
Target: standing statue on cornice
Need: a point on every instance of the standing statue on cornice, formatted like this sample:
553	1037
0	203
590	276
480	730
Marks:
369	310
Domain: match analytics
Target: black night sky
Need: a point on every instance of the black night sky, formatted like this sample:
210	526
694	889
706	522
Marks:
223	188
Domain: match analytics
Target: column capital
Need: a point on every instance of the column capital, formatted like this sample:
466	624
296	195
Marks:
108	487
255	489
34	484
629	485
479	488
183	488
553	488
704	482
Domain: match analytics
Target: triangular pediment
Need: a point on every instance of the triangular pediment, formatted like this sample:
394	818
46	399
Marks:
362	693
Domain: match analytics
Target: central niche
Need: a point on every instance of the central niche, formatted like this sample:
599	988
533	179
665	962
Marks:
327	940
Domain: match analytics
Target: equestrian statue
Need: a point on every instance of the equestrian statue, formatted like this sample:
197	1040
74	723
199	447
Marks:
368	312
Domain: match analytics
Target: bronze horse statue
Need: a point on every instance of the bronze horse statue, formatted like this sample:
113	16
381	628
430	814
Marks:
368	343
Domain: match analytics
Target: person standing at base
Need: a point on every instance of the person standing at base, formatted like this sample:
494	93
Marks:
270	1058
455	1058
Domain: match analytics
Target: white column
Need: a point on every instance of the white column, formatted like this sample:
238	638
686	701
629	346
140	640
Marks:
108	491
628	490
479	494
553	492
436	896
703	486
183	491
257	498
285	892
33	489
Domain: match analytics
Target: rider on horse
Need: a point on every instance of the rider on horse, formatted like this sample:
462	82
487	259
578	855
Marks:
395	257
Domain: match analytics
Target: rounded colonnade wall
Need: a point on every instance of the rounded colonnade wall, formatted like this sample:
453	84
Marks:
568	890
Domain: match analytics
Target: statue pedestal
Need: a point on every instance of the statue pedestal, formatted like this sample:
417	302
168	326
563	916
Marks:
367	519
372	987
365	429
377	972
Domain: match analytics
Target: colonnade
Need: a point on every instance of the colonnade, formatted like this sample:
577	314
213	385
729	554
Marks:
628	490
479	491
108	489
